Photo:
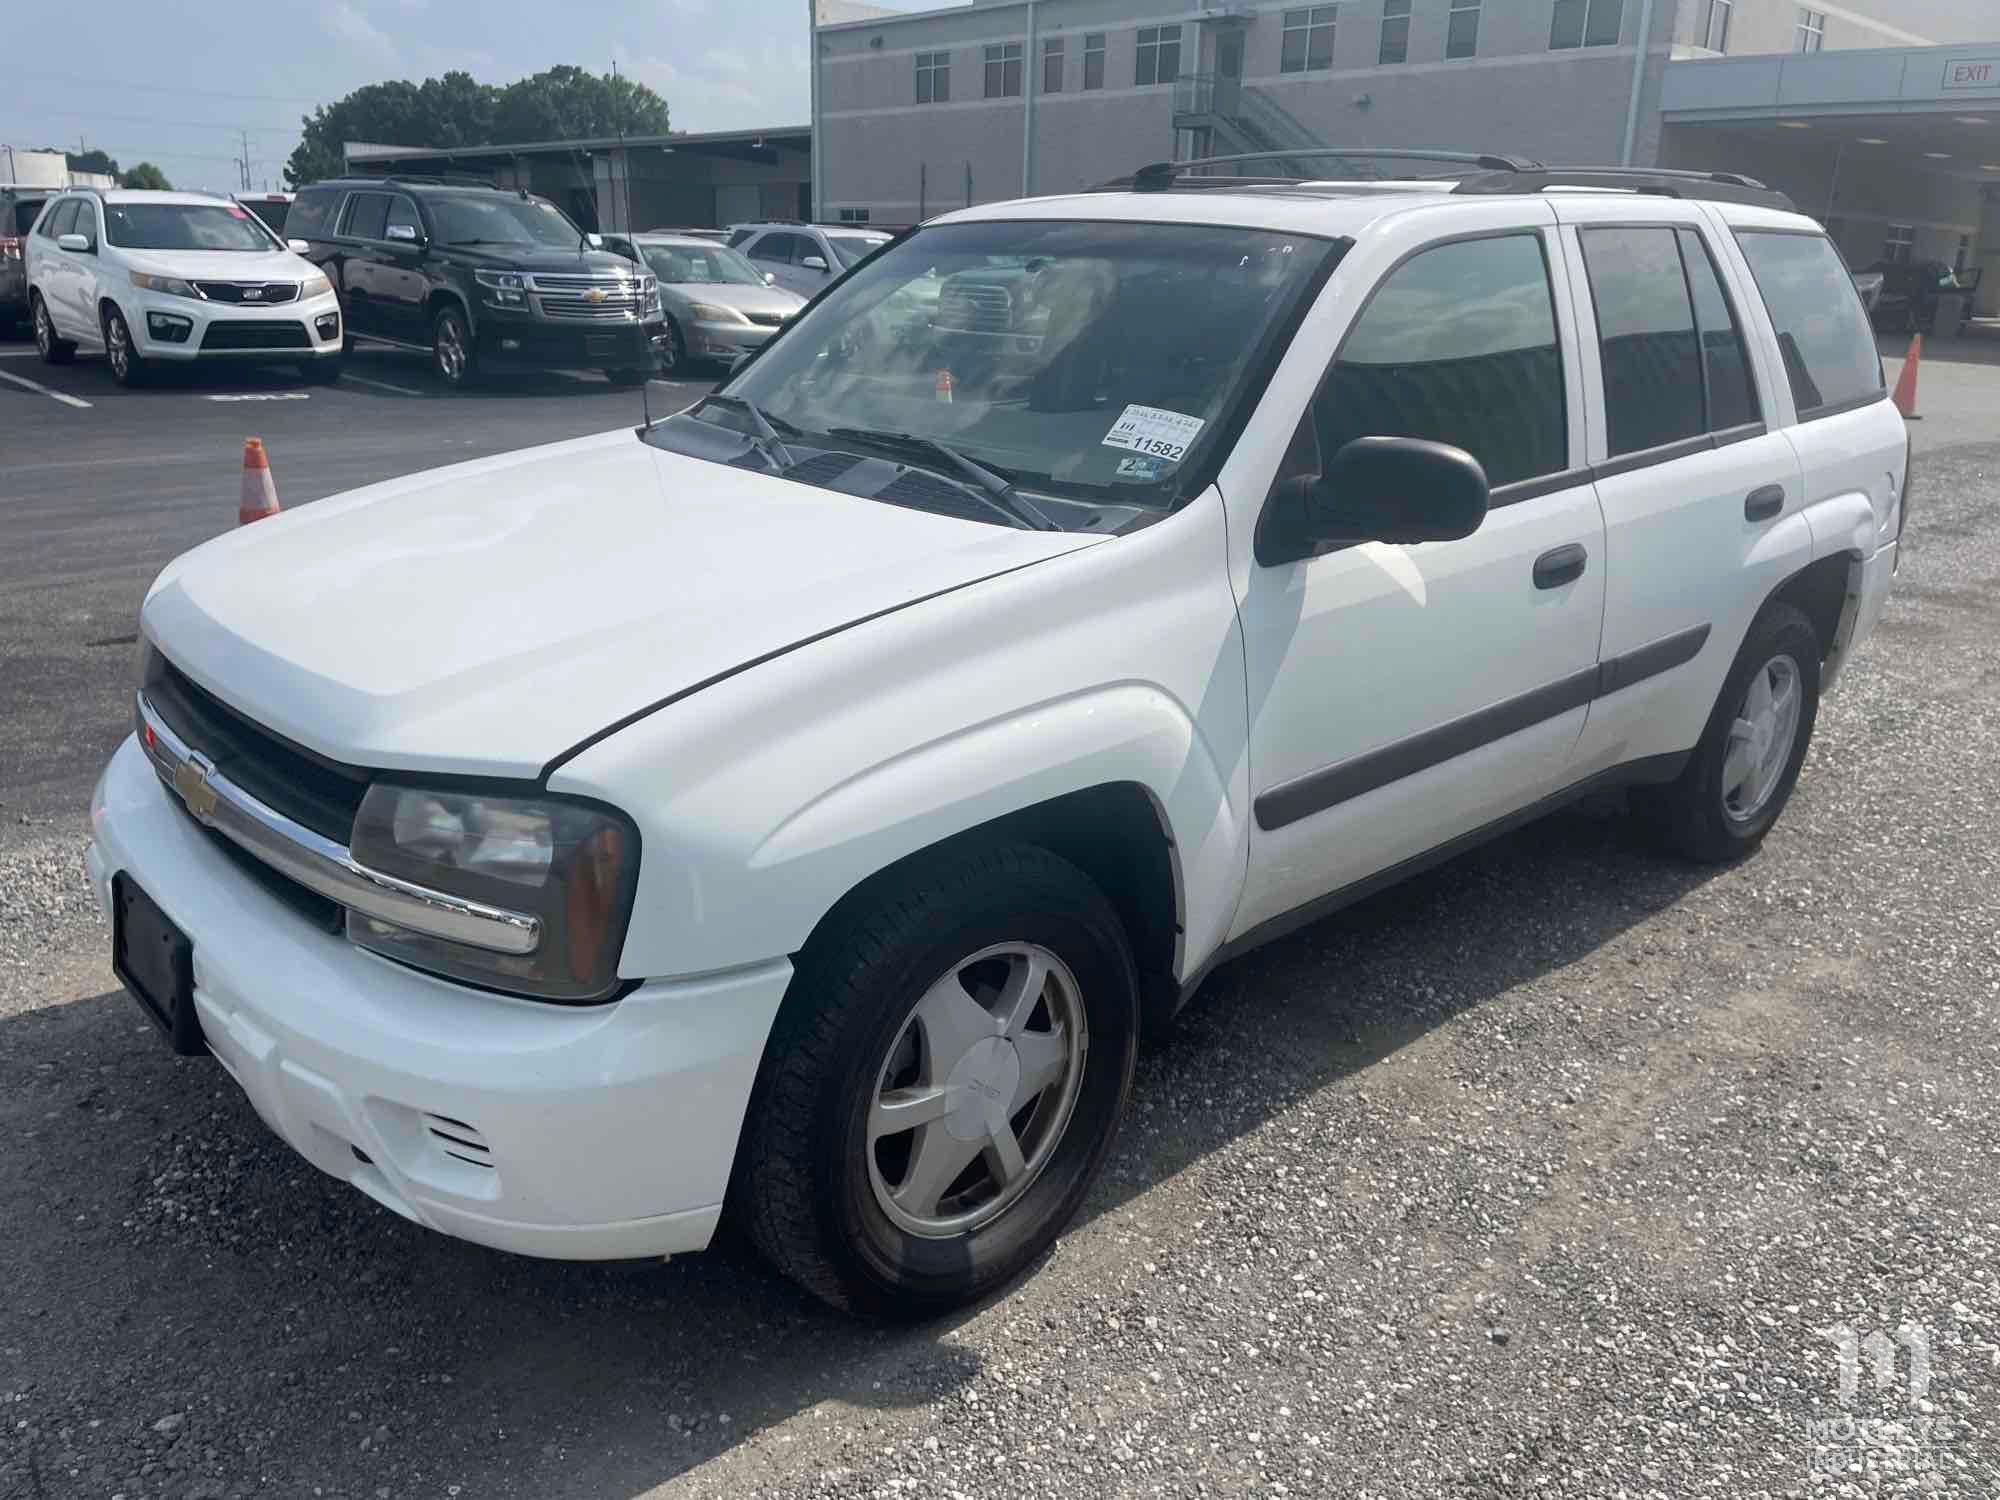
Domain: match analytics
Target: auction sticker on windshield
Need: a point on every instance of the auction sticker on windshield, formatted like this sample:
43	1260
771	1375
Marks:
1154	430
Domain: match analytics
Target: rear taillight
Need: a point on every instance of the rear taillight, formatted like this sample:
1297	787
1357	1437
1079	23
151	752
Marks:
10	247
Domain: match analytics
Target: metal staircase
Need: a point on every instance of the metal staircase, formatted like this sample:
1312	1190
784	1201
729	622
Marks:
1223	116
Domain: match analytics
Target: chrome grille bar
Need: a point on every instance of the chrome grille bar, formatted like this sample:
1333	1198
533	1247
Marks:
319	864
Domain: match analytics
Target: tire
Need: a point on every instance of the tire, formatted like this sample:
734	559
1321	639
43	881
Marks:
674	357
823	1199
452	353
626	376
322	371
128	367
54	351
1712	814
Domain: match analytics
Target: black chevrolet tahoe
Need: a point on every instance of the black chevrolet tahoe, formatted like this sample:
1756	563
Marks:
481	277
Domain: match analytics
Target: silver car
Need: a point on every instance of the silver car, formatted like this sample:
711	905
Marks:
717	305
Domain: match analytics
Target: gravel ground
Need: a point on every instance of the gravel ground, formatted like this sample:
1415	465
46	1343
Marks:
1546	1174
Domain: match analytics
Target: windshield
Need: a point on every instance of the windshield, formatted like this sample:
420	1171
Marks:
851	247
499	220
1090	363
273	212
183	226
692	264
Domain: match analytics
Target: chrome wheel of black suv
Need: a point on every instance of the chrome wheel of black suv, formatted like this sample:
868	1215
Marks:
451	347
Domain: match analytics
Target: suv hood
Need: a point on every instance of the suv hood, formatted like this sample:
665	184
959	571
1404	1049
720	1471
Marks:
484	618
543	258
222	265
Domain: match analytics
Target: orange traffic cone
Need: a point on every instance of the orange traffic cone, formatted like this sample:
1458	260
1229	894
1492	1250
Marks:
1906	383
260	496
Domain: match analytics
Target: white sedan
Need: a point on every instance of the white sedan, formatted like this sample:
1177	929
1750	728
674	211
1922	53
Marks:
152	278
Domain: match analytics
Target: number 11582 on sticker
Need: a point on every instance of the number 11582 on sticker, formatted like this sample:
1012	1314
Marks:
1155	431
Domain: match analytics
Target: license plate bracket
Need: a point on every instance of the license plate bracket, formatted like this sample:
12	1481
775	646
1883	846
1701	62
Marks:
154	960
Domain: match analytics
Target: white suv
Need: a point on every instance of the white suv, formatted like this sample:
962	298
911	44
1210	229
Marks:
155	278
801	805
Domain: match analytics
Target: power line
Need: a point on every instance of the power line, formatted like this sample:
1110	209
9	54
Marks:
159	88
92	114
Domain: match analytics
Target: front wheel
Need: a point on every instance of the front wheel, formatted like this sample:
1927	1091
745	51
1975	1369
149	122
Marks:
451	347
127	368
943	1083
1742	772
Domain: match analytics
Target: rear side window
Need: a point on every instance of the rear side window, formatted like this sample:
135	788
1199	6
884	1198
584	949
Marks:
1725	364
1645	333
1458	345
738	236
1823	334
309	215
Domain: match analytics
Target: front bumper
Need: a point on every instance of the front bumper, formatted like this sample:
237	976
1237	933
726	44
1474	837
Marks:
284	332
576	1133
527	342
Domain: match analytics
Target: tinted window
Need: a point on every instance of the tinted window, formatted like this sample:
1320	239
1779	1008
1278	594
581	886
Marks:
310	211
1822	332
785	249
738	236
58	222
1458	345
1645	331
184	226
26	211
403	211
273	211
367	215
501	219
1725	366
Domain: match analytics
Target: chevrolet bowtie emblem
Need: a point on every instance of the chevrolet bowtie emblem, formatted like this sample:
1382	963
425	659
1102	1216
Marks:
595	294
191	781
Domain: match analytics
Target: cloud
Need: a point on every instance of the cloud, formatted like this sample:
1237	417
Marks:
349	28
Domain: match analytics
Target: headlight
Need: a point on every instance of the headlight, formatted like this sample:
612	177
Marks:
504	288
708	312
172	285
314	286
570	865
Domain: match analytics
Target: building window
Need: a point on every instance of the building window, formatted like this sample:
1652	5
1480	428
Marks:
1586	23
1715	21
1159	58
933	77
1307	40
1461	38
1003	71
1395	32
1052	65
1093	60
1811	30
854	216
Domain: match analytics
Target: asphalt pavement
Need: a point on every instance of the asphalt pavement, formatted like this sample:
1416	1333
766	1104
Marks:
101	486
1567	1169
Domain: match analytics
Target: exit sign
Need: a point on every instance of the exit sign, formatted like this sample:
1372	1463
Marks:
1972	73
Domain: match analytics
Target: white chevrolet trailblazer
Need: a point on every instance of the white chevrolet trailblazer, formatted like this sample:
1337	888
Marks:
796	808
155	278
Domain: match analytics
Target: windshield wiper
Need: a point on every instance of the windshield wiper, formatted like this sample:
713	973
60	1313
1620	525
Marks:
999	489
766	436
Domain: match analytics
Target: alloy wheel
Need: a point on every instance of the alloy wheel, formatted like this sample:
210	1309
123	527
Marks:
118	345
1761	738
45	334
976	1090
450	350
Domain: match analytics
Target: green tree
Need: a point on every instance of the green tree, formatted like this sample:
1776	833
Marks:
145	175
457	111
87	161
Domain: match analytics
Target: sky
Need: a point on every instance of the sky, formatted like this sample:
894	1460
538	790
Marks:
174	84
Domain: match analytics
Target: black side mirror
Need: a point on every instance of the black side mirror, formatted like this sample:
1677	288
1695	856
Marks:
1377	489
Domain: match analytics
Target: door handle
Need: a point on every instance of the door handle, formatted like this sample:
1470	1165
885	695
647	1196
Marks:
1560	565
1762	504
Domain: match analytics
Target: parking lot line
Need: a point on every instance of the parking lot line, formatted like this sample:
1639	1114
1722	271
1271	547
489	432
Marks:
22	380
20	354
380	385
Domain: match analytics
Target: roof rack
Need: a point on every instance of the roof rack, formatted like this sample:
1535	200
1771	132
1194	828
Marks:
1160	176
1661	182
438	179
1480	173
